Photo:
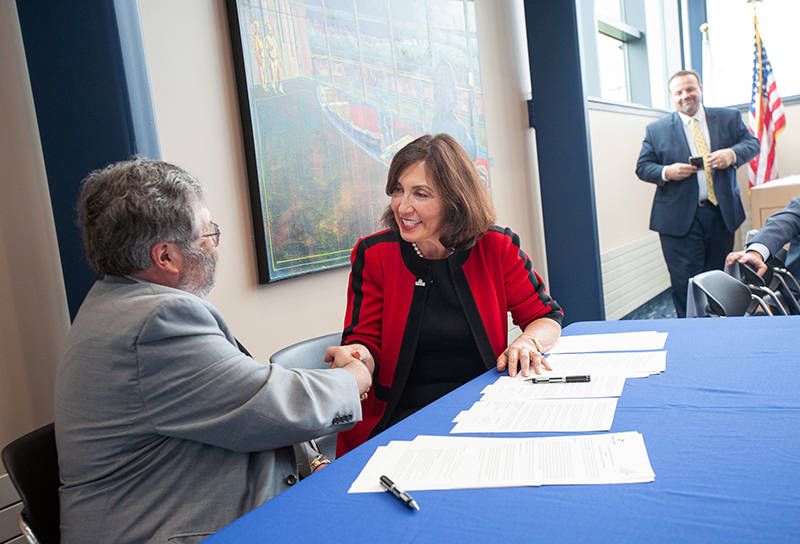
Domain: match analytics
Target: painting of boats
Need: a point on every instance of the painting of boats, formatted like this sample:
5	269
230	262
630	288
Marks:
329	91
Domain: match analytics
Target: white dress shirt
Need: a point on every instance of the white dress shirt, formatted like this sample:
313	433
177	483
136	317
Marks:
700	120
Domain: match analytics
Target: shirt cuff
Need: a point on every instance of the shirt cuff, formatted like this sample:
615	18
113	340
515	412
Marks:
664	174
735	159
761	249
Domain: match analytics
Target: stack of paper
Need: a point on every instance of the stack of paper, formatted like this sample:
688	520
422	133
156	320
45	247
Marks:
630	365
442	462
619	341
531	416
518	405
521	388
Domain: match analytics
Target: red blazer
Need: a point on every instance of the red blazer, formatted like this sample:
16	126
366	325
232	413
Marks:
386	299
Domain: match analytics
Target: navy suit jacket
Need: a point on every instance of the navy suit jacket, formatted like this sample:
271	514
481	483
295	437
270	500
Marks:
780	228
675	202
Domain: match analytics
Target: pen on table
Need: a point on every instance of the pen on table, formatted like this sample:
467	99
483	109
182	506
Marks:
390	486
565	379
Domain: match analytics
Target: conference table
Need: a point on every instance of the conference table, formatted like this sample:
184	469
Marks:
721	427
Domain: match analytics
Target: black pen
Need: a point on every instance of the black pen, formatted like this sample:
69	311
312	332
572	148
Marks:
390	486
565	379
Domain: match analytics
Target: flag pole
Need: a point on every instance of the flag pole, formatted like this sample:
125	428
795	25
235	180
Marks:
760	66
760	115
709	89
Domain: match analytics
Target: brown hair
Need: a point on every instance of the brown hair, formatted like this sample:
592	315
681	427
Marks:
468	208
680	73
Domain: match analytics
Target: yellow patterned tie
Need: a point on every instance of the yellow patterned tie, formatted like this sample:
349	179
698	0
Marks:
701	148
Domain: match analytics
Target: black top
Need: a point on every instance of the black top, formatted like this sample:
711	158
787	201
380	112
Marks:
446	356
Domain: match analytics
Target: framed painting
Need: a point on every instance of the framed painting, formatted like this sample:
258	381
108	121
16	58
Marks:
329	91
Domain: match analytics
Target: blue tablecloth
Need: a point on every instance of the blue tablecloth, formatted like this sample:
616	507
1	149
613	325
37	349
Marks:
721	427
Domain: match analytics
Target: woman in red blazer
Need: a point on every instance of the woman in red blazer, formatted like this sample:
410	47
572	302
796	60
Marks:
428	298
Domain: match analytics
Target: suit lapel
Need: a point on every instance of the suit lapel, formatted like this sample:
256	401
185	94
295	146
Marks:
713	130
678	135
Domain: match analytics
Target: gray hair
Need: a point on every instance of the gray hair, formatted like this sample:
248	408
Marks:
128	206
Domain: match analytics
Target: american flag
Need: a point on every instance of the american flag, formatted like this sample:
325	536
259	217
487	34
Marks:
766	116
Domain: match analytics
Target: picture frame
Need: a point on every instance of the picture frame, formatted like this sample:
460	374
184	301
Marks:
328	92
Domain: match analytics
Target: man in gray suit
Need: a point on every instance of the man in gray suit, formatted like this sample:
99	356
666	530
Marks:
166	431
781	228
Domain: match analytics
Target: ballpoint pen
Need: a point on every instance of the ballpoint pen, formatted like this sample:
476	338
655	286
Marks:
390	486
565	379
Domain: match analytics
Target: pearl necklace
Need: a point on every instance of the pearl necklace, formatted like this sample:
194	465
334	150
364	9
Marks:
421	256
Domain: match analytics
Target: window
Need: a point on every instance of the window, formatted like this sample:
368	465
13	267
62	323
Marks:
612	60
625	50
609	8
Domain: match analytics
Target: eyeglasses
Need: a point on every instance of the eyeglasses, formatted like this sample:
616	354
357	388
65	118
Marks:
215	234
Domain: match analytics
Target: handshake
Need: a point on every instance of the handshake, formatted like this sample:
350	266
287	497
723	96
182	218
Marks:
356	359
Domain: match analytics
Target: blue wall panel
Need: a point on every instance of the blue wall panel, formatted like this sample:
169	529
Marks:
91	92
696	12
564	156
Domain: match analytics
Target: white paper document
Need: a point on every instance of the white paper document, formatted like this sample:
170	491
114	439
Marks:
519	388
526	416
620	341
631	365
446	462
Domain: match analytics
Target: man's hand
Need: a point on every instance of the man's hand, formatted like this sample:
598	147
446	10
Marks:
679	170
363	376
356	359
753	258
721	159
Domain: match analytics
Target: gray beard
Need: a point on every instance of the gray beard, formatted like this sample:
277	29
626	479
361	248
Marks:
199	273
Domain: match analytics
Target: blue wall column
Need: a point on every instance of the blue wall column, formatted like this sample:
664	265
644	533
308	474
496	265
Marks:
559	115
696	15
91	91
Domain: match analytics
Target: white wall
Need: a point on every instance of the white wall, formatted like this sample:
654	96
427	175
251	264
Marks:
189	56
623	200
631	261
787	143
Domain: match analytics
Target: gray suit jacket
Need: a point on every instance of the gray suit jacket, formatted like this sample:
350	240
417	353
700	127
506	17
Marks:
166	432
780	228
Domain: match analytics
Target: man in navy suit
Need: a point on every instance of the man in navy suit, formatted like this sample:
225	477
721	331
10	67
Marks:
780	229
695	219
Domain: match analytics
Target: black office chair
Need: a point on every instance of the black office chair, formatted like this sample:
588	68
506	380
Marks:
784	281
763	287
32	465
306	354
726	296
